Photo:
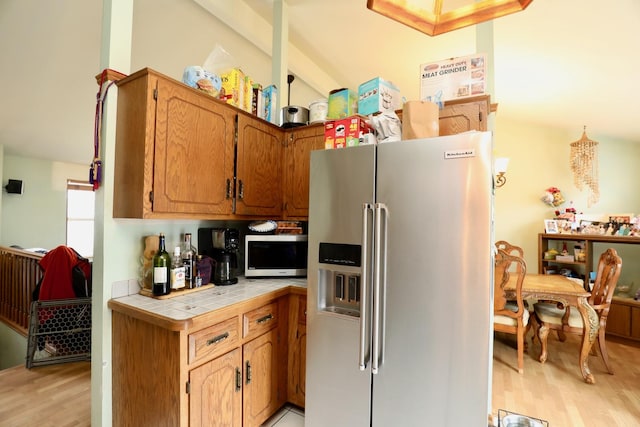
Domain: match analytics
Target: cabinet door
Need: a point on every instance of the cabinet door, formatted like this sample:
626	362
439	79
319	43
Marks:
215	398
463	117
261	370
300	143
259	168
619	320
635	322
193	156
300	364
297	351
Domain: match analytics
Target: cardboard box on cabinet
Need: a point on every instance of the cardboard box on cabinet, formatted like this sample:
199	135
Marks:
377	95
270	94
342	103
233	84
348	132
453	78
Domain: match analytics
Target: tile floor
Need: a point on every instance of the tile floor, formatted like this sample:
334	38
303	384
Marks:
288	416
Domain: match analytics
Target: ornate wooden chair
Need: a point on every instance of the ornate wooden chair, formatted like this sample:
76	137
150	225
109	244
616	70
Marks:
515	251
510	249
510	316
549	316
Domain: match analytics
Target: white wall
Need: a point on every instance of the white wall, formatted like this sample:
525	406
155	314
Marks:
37	218
539	158
184	34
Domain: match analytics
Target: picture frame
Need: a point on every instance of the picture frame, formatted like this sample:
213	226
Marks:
550	226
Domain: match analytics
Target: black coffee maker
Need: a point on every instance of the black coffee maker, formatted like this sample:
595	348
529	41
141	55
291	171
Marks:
226	243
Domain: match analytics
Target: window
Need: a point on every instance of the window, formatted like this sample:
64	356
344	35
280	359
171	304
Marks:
80	214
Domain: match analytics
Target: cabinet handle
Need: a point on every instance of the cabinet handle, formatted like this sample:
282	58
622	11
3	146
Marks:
219	338
240	189
228	188
238	379
248	370
264	319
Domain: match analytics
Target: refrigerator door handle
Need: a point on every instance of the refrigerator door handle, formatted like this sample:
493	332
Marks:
362	352
379	283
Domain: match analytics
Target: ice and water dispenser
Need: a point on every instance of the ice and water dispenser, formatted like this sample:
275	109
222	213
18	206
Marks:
339	284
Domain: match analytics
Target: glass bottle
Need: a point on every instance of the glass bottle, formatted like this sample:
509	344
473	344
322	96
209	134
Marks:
198	272
177	270
189	254
161	270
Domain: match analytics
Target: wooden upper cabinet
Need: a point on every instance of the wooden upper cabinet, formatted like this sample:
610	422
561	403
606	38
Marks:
260	148
464	115
193	152
299	144
174	150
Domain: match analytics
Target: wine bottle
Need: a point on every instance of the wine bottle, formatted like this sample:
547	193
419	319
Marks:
189	262
161	270
177	270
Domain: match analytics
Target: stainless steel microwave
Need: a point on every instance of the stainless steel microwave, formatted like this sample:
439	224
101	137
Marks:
275	255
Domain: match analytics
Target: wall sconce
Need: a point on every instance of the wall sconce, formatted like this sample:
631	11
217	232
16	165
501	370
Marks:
429	17
500	168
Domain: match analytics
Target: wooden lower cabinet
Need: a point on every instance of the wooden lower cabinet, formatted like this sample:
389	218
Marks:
297	350
624	319
261	397
215	395
225	368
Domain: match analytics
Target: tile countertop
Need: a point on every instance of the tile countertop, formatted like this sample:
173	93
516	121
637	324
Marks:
187	306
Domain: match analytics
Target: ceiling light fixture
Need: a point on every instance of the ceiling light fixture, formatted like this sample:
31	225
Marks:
429	17
584	165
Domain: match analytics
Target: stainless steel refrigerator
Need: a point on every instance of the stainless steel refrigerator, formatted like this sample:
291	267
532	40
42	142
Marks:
400	277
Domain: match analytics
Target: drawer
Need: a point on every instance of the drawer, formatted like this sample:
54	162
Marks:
214	340
302	310
260	320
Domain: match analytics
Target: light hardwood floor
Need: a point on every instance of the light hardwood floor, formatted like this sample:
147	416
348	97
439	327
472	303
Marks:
555	391
52	395
59	395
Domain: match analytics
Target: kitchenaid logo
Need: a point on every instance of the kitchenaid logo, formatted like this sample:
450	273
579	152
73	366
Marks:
457	154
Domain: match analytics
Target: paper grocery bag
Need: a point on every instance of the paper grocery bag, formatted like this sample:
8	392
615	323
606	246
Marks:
420	119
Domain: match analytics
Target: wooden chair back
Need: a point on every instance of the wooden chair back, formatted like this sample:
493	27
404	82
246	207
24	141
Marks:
510	316
609	269
510	249
502	274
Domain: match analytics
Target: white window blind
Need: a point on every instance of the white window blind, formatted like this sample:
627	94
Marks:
80	217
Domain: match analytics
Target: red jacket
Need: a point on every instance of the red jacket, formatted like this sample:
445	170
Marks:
57	282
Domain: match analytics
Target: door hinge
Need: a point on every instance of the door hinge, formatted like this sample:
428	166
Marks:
151	197
155	93
188	387
297	334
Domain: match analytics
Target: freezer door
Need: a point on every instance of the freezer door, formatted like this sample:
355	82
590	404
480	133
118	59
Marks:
338	392
434	359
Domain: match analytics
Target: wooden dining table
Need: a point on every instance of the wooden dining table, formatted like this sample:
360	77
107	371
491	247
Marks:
559	288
